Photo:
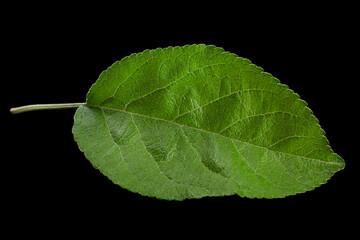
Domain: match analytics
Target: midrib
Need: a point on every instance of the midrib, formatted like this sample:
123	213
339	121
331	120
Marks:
218	134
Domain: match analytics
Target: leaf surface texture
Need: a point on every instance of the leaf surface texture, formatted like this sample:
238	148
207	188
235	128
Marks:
195	121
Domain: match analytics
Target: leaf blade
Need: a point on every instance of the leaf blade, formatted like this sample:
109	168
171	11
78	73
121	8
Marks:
248	127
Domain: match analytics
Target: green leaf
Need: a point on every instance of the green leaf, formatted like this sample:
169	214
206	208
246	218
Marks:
195	121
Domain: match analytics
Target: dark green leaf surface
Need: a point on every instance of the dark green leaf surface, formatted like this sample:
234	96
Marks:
195	121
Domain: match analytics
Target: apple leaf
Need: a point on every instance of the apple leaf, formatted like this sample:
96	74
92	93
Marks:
196	121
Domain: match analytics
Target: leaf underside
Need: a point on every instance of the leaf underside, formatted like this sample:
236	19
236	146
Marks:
196	121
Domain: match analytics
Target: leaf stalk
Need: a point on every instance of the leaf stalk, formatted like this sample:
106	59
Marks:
36	107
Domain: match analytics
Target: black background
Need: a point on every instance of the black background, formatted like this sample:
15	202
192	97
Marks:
54	56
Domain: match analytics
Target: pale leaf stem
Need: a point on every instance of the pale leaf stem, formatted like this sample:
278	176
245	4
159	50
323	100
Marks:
36	107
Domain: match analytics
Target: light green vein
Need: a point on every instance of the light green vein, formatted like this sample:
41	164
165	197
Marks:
203	130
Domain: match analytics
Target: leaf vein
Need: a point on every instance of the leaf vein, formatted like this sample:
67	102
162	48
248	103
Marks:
137	129
172	83
117	145
197	153
289	137
199	129
130	76
259	115
247	164
220	98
